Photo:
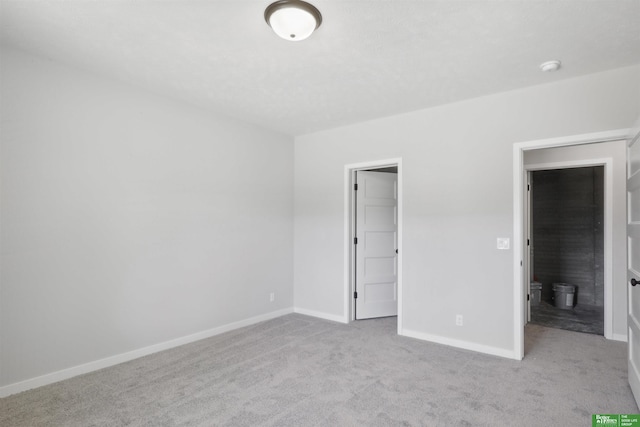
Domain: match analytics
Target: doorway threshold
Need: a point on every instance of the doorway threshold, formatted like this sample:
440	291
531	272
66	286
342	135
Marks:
584	318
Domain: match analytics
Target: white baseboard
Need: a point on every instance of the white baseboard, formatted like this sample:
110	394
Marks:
125	357
321	315
619	337
494	351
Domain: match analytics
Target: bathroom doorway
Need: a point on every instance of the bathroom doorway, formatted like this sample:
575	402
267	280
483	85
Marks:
608	149
567	248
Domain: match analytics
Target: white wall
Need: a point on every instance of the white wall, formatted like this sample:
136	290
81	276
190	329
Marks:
129	220
617	152
457	171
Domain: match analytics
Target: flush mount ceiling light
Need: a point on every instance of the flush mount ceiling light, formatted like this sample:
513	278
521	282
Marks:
550	66
293	20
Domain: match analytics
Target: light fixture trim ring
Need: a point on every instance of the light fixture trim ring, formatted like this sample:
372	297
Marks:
299	4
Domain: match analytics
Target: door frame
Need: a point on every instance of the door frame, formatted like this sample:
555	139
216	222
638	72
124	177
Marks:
519	297
527	234
349	227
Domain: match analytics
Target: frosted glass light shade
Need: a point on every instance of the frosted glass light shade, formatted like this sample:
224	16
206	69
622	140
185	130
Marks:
293	20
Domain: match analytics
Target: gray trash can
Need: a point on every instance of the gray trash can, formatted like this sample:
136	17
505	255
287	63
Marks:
536	293
563	295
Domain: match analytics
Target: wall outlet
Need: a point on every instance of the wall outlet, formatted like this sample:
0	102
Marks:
458	319
272	296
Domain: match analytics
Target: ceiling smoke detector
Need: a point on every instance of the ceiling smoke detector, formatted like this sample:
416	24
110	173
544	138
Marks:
550	66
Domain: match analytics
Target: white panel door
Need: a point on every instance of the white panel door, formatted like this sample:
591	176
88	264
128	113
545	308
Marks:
633	263
376	283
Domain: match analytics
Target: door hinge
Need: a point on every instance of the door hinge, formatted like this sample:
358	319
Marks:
527	242
355	187
528	187
355	240
355	295
527	297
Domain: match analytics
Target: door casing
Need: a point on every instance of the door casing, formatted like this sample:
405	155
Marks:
349	227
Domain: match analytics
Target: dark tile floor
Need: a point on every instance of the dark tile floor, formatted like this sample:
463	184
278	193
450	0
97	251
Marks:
582	318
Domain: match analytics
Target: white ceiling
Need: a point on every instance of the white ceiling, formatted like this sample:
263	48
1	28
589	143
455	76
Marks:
369	59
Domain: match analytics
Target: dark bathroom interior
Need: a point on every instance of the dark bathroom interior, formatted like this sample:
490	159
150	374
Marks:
567	248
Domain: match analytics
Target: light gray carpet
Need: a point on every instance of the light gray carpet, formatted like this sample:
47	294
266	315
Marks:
301	371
